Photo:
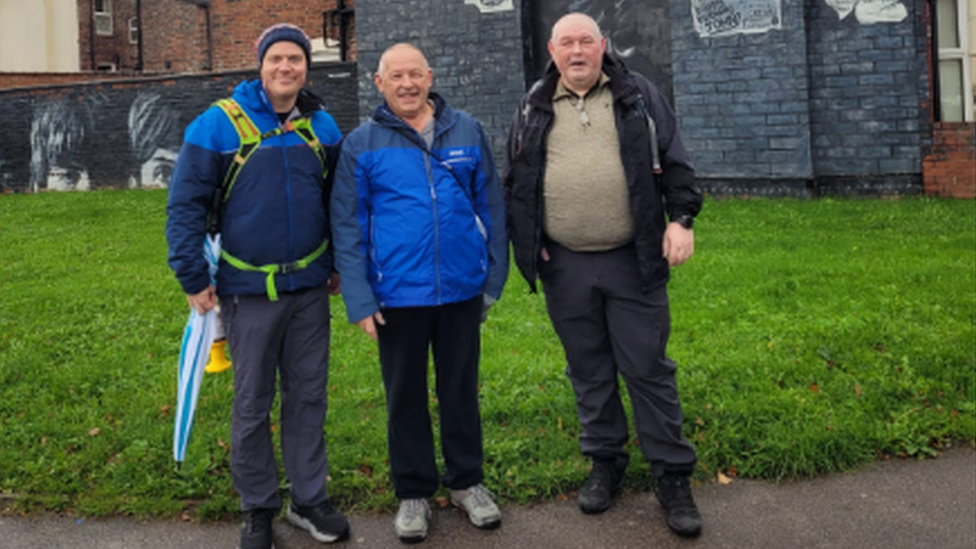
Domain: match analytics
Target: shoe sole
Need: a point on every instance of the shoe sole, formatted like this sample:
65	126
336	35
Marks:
490	525
306	525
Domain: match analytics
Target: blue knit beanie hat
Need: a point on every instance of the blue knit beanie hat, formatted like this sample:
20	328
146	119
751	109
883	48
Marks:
286	32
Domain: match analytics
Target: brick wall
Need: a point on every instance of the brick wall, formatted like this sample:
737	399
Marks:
235	25
32	79
174	37
114	48
743	102
476	57
949	167
102	132
869	95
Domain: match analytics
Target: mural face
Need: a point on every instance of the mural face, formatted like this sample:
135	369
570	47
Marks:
58	140
154	135
870	11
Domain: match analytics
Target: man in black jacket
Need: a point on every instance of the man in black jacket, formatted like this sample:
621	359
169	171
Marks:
593	163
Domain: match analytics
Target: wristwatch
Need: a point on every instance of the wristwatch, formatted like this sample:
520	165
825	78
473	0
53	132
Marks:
685	221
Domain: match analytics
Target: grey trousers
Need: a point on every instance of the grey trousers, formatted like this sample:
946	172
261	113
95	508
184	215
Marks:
608	327
288	337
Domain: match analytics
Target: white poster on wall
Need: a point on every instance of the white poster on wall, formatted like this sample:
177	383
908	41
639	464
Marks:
726	17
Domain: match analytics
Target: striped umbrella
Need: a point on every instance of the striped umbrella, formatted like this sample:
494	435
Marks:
194	353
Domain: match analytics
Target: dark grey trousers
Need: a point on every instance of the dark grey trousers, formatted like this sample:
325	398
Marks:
608	327
452	333
289	337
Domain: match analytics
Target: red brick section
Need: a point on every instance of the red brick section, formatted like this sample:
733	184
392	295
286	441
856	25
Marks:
950	167
31	79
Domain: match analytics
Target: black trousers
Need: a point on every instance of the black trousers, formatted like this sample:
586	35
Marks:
452	333
608	327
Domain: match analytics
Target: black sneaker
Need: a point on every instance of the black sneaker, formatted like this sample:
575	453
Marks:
606	476
322	521
256	532
674	493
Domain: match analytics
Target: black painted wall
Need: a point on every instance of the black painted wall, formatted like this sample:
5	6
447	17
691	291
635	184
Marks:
124	133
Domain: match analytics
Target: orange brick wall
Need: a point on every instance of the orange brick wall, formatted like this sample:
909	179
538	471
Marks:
949	169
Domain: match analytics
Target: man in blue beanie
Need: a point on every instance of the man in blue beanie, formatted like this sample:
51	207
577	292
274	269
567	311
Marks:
256	168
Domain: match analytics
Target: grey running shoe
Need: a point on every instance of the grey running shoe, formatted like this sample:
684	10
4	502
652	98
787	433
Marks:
477	502
411	520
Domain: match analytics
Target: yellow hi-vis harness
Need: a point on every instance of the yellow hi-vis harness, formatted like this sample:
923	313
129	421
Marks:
251	139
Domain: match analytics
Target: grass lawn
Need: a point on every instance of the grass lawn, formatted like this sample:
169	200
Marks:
811	336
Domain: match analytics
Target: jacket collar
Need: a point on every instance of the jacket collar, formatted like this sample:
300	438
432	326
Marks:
444	116
621	83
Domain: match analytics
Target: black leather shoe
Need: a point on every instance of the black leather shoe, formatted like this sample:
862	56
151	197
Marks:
605	480
674	493
256	532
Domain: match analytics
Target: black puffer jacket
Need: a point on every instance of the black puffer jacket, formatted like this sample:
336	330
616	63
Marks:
651	193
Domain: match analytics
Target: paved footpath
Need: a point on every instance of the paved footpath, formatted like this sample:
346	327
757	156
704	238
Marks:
901	504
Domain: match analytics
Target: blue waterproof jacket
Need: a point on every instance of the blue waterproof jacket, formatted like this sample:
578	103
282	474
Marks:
415	227
277	211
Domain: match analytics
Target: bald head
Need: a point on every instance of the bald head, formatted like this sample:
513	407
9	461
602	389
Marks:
399	50
575	20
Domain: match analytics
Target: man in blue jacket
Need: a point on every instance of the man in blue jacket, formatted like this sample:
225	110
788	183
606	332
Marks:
419	226
255	168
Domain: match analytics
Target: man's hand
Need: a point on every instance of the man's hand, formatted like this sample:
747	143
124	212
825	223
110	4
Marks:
334	284
203	301
679	244
369	323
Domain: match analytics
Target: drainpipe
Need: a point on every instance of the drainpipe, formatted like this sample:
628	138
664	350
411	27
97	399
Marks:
139	65
91	35
210	66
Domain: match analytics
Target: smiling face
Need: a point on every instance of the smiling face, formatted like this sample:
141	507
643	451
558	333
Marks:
283	72
404	78
577	50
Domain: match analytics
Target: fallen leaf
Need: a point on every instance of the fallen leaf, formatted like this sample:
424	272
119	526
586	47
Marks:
857	390
94	432
442	502
814	388
699	421
723	480
223	445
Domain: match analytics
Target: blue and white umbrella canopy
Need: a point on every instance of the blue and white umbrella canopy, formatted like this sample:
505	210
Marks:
194	353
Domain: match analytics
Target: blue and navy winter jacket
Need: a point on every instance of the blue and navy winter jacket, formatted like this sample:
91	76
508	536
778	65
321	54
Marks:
413	226
277	211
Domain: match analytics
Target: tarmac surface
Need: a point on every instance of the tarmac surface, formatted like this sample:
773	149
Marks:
899	504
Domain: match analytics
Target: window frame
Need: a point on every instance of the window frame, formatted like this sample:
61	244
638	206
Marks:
962	55
104	15
133	30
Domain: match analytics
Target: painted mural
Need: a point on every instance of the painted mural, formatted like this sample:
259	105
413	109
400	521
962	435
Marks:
726	17
122	135
636	31
868	12
491	6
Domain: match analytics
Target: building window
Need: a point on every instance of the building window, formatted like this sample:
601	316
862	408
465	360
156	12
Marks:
103	17
955	78
105	67
133	30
